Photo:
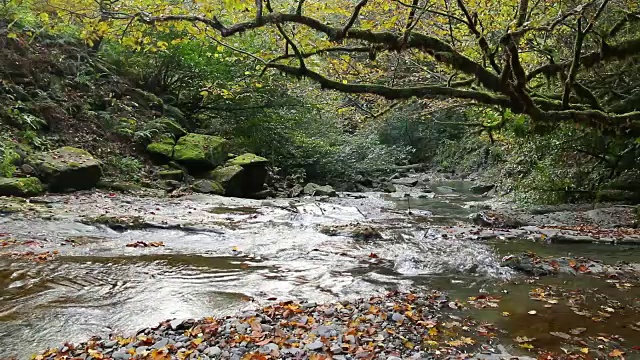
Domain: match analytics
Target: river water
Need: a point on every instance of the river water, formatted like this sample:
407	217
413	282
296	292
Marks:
221	255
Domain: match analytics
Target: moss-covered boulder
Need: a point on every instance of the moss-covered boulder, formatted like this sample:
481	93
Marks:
172	127
207	187
231	178
248	160
23	187
176	175
200	152
162	149
66	168
255	172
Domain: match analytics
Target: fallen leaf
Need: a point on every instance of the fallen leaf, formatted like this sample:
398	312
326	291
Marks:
526	346
584	350
616	353
577	331
524	339
532	312
561	335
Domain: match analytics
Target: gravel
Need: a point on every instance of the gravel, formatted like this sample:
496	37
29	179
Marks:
395	326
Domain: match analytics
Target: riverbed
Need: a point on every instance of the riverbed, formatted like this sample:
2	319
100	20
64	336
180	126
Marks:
97	263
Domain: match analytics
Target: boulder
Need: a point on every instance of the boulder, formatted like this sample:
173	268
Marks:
144	99
232	179
176	175
298	189
172	127
410	182
66	168
162	148
207	187
23	187
200	152
312	189
481	188
255	171
389	188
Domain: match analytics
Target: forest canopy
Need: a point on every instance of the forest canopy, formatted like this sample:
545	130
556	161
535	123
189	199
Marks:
554	61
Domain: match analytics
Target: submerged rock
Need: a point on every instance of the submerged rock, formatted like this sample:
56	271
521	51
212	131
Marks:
22	187
312	189
66	168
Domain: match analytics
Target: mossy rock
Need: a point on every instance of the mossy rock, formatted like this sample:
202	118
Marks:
255	171
66	168
145	99
231	178
162	149
120	186
247	160
207	187
172	127
199	152
22	187
176	175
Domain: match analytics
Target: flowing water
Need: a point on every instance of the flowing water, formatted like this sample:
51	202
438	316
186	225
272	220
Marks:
221	255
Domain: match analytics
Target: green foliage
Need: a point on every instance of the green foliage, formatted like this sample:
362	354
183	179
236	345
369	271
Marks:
8	157
126	168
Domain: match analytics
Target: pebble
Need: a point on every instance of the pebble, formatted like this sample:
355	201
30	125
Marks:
316	345
121	355
213	351
160	344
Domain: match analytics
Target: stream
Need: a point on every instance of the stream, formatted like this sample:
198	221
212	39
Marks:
215	256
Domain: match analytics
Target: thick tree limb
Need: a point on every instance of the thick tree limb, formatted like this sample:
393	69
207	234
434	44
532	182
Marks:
394	93
623	50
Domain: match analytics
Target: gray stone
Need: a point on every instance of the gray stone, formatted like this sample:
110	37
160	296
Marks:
481	188
213	351
410	182
389	188
316	345
397	317
120	355
312	189
162	343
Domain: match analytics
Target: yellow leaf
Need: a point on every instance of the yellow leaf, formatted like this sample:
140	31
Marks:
526	346
44	17
409	345
616	353
197	341
584	350
12	36
505	313
433	332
